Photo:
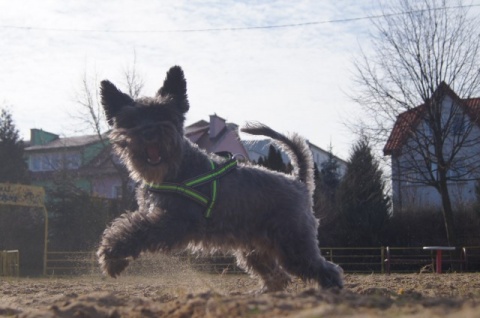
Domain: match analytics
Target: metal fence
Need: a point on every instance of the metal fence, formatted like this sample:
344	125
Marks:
356	260
75	263
71	263
352	260
10	263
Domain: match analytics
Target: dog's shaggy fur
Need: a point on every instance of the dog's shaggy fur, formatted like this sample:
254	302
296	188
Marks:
265	218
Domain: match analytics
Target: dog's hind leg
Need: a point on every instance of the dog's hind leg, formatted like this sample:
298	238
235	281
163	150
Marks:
273	277
300	256
133	233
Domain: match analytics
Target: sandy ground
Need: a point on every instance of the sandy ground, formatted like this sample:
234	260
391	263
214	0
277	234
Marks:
186	293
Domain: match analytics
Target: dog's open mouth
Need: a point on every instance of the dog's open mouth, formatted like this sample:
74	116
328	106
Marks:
153	154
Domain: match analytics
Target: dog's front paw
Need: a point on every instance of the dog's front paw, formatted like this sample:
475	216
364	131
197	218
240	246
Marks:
110	265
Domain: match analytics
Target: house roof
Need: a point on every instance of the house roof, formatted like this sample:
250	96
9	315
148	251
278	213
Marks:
196	127
473	109
67	142
198	133
405	124
407	121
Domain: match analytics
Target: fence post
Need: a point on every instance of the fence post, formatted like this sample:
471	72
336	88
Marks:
382	257
9	263
93	263
17	263
3	255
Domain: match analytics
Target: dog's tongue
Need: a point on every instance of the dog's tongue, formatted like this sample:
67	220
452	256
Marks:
153	153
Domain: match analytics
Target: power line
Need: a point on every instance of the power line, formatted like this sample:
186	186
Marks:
278	26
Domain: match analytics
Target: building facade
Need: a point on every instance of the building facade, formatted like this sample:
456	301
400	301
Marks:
84	160
414	161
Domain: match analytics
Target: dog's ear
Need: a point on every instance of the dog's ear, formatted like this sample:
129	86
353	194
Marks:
113	100
175	86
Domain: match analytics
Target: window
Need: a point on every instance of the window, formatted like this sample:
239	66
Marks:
72	160
117	192
54	161
44	162
35	163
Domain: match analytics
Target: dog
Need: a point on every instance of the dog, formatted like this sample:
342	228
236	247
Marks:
189	199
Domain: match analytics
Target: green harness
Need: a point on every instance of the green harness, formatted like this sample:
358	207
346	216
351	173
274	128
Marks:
186	188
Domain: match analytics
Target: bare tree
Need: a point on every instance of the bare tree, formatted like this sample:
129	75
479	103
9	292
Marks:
134	81
421	50
92	117
90	113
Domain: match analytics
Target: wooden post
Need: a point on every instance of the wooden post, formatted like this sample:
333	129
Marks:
382	258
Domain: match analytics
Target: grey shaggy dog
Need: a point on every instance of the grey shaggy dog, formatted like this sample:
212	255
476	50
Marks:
264	218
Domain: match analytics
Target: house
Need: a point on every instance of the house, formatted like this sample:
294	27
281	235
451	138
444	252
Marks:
217	135
415	168
259	148
84	159
87	159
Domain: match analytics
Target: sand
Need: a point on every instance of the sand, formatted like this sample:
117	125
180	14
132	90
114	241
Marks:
185	293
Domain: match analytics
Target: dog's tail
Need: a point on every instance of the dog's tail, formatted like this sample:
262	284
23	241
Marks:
295	146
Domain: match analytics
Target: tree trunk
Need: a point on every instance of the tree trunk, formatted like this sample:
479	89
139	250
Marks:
447	212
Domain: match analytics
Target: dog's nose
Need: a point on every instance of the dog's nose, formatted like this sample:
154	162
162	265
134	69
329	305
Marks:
149	134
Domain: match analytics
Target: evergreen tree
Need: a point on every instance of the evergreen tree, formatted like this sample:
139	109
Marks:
330	177
77	219
327	180
363	205
316	172
21	228
273	160
13	167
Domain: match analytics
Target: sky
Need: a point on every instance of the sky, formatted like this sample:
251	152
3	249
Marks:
294	78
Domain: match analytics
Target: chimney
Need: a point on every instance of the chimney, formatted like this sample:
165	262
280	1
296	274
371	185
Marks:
217	124
39	137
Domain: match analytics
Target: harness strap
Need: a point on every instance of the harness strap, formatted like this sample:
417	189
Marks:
186	188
